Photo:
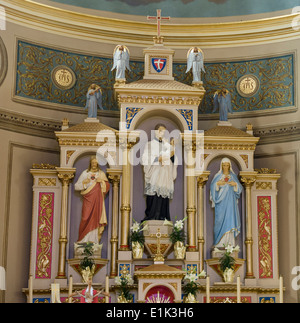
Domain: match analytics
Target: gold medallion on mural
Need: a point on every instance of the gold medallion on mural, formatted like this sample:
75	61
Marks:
248	85
63	77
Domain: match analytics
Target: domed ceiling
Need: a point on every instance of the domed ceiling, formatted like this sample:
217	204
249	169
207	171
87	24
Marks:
186	8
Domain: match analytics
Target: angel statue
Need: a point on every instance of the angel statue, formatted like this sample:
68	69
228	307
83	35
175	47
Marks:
222	102
121	61
195	59
93	100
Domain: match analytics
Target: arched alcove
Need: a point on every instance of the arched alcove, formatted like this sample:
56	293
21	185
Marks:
81	163
147	133
167	114
214	167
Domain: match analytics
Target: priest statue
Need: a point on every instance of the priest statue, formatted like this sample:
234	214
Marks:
160	170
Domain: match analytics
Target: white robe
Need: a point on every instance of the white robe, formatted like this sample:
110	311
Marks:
159	177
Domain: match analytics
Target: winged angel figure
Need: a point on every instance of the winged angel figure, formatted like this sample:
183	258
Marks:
121	61
222	102
195	58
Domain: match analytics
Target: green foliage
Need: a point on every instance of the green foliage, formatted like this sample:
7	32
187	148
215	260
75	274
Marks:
137	237
177	235
227	261
136	232
88	252
190	287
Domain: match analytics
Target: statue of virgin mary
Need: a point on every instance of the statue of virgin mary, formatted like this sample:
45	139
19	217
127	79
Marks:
225	191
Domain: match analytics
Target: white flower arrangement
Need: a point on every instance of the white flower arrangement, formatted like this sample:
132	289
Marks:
227	261
124	279
138	227
124	282
136	232
193	277
178	233
191	287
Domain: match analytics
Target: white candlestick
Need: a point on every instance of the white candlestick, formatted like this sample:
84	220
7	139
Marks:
70	288
207	290
30	289
238	288
280	289
2	278
55	293
106	289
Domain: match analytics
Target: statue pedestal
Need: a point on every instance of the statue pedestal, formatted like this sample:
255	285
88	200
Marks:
99	264
215	265
224	124
92	120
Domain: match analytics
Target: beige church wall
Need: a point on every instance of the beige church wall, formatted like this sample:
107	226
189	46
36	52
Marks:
284	157
19	152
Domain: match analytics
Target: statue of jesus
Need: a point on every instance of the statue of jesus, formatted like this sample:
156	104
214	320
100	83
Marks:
160	170
94	186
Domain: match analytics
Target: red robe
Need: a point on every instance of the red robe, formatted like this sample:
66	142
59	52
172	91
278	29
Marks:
92	208
82	299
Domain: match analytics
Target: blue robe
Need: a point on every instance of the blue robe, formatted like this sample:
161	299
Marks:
224	105
225	202
92	102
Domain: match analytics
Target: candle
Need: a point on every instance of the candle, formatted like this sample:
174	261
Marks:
30	289
280	289
207	290
107	289
238	288
2	278
70	288
55	293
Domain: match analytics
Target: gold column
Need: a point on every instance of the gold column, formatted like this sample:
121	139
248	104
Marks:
248	178
65	175
191	194
125	206
126	141
114	176
201	181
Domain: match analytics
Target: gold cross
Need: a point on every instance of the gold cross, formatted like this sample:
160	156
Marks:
158	19
158	257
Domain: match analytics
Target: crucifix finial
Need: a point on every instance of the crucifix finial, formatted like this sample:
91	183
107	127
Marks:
158	18
159	258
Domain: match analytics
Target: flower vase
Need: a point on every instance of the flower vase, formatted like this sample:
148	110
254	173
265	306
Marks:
137	250
179	250
190	298
228	275
122	299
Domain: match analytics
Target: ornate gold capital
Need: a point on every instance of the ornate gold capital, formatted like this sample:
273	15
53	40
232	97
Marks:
115	179
127	139
248	182
248	178
201	180
65	175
